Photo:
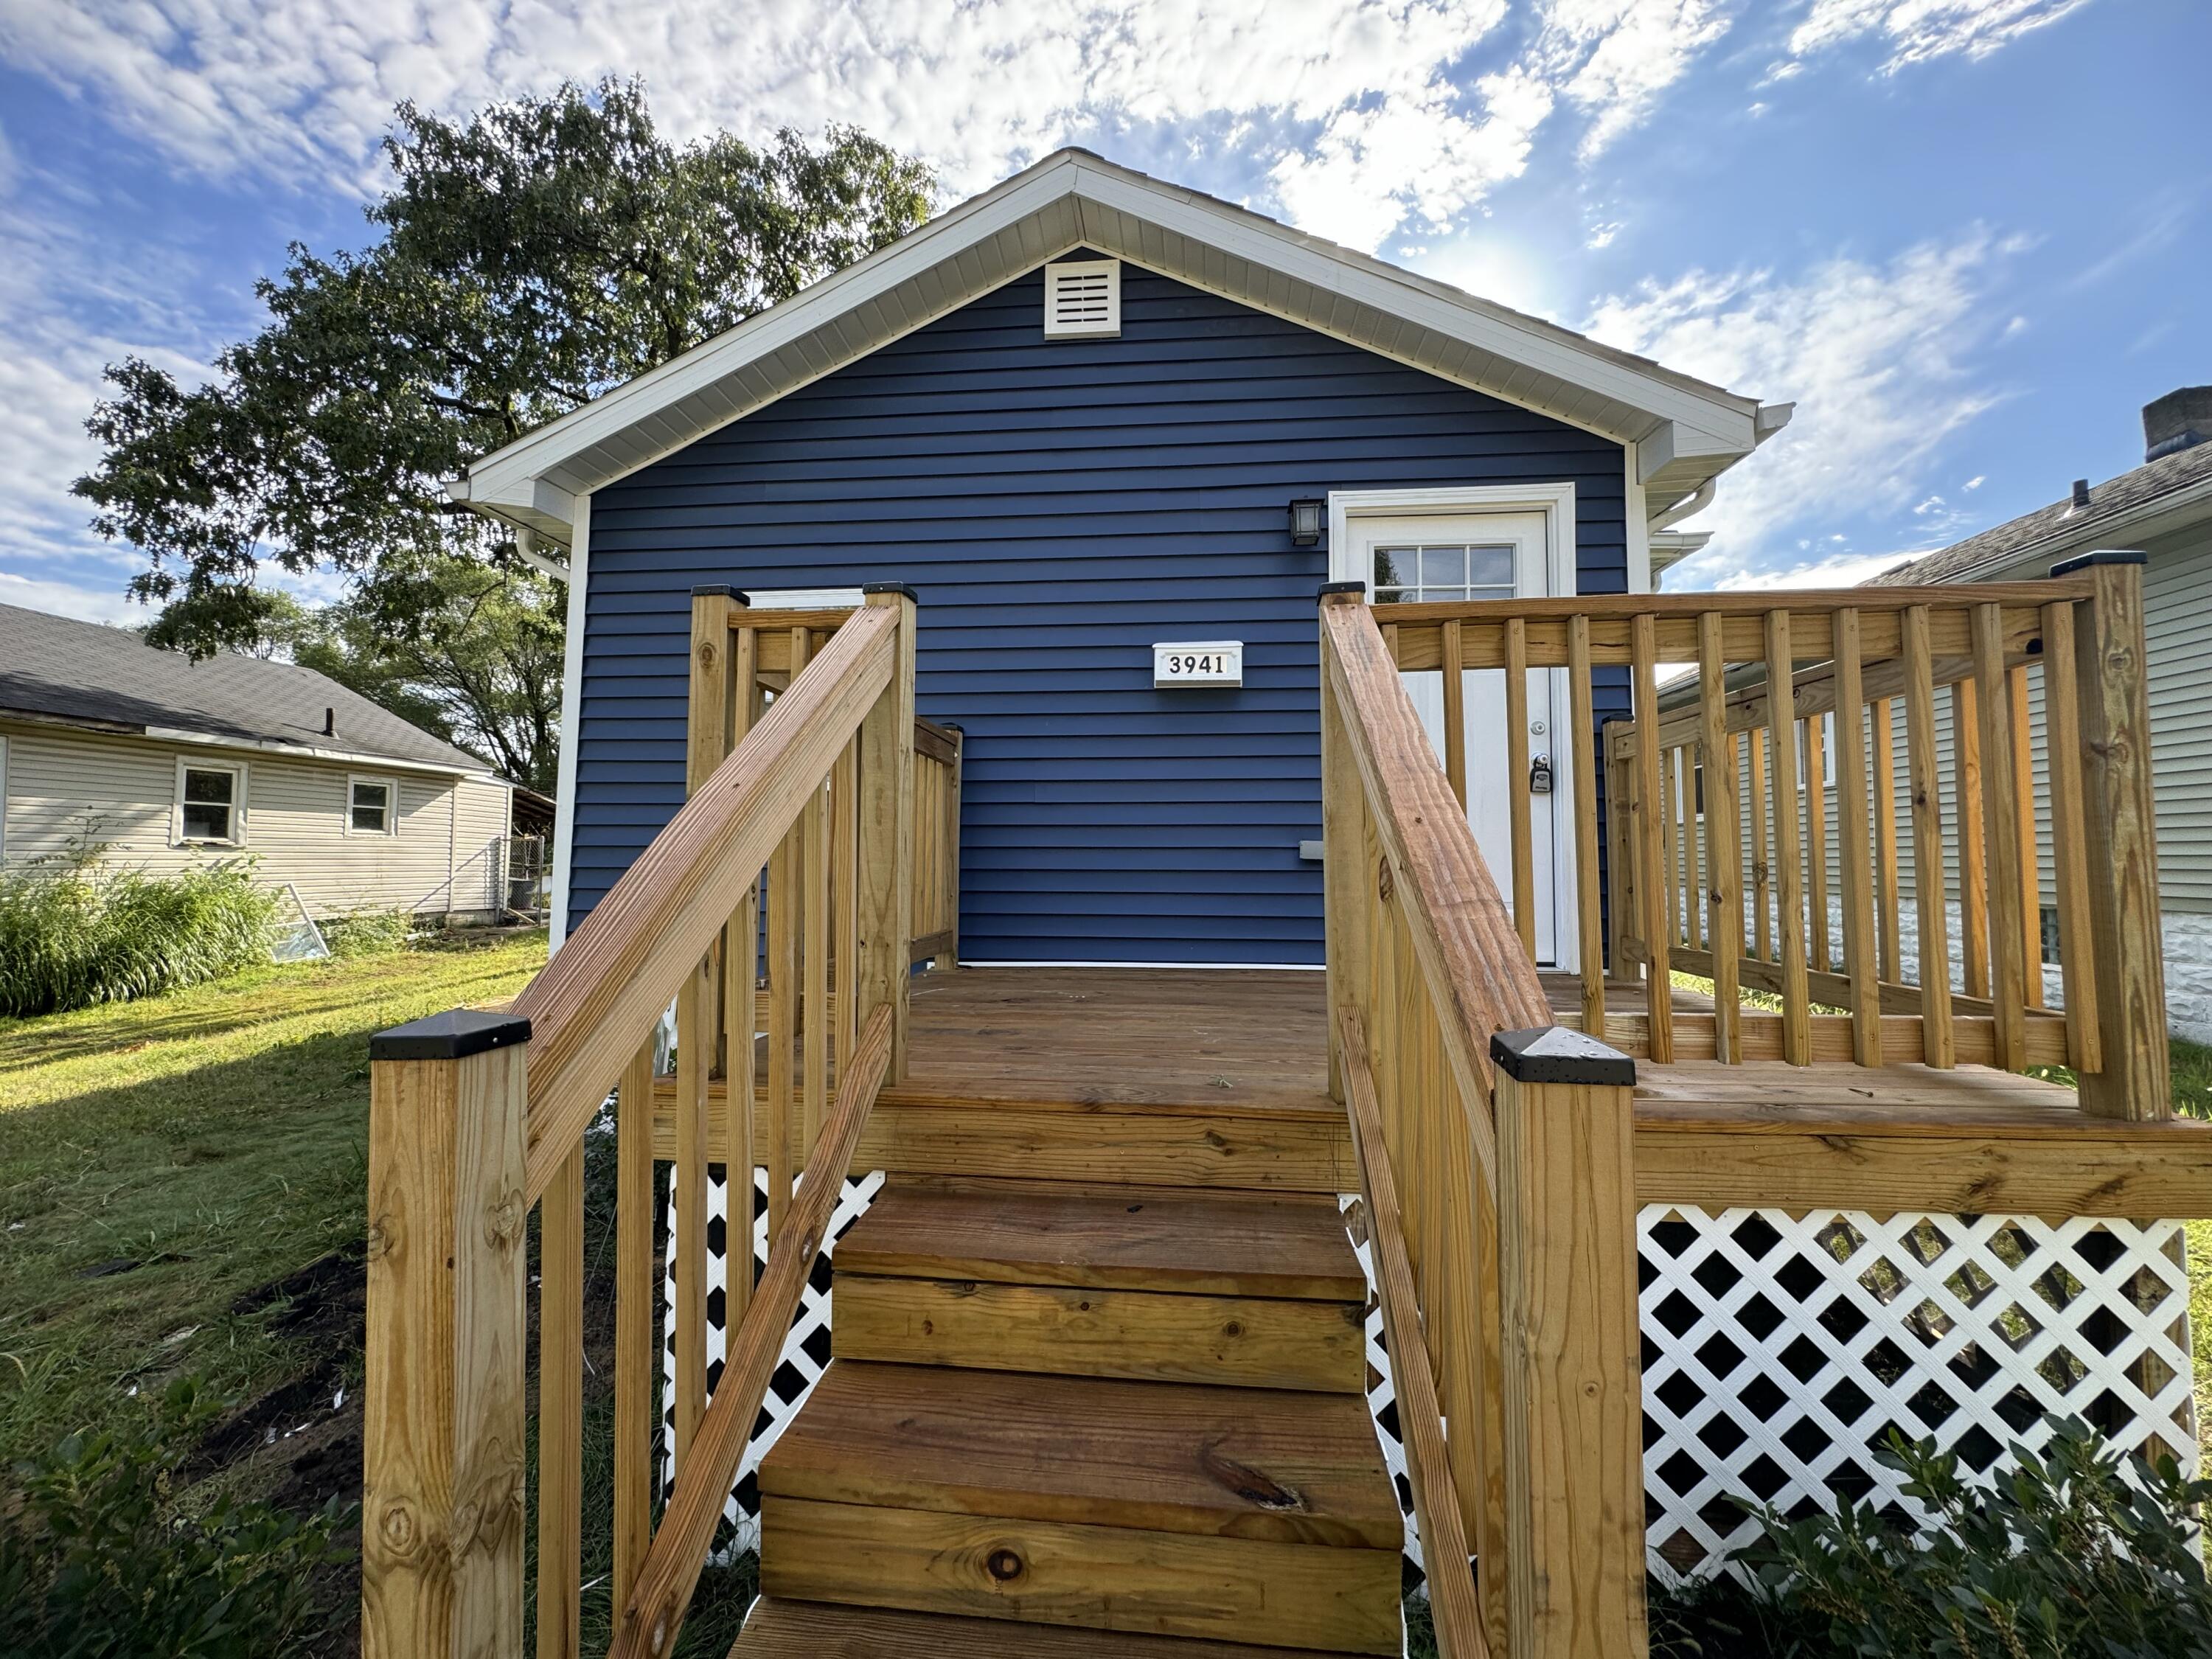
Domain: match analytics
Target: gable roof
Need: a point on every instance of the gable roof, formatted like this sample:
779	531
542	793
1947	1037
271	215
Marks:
57	670
2153	499
1688	431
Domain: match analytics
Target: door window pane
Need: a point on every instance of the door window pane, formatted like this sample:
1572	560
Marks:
1448	570
211	806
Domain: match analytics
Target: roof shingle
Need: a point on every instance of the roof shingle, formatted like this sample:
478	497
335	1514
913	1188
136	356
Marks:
59	669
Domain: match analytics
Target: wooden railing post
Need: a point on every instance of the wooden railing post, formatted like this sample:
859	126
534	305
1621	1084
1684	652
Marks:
1344	871
886	833
1573	1365
442	1502
2135	1080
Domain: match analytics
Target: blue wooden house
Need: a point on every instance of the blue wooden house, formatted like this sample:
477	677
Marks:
1084	415
1638	1257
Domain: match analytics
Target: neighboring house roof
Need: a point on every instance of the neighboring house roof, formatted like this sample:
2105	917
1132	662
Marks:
1687	431
59	669
2157	497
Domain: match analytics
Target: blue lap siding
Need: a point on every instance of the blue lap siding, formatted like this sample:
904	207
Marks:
1060	507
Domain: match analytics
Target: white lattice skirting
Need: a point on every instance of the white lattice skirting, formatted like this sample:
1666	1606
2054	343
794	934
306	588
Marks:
1779	1352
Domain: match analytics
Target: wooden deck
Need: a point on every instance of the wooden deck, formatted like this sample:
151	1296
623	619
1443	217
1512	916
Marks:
1176	1078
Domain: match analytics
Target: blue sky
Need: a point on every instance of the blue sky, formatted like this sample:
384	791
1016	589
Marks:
1970	238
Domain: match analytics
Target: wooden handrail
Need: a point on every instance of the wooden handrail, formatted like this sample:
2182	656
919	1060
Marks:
1469	950
610	980
662	1594
1428	1464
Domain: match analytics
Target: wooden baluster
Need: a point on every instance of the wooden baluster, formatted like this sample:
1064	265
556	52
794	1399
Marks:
1625	908
786	884
2008	926
1651	863
952	798
1782	729
2068	838
2023	793
741	944
635	1348
1454	678
1583	737
561	1410
1762	864
1816	838
1966	799
694	1022
2133	1080
1725	859
1884	830
1694	885
1517	767
814	836
1855	845
443	1421
1670	839
1927	877
844	845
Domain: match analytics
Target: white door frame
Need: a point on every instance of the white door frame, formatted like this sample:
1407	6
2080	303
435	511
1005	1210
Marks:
1556	501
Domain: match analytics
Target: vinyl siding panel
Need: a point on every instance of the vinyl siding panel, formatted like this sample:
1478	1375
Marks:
66	789
1060	507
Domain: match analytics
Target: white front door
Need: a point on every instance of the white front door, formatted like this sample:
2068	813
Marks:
1480	555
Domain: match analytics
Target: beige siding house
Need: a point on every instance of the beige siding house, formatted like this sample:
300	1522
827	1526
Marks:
162	762
2162	510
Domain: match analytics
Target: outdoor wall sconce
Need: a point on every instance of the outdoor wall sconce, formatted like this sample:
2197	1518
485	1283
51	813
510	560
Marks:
1305	522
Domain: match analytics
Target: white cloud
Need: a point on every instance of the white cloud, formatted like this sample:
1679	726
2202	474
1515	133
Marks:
1916	30
1615	57
94	603
1354	116
1875	357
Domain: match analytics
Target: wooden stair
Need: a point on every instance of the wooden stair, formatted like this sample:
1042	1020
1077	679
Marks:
1137	1416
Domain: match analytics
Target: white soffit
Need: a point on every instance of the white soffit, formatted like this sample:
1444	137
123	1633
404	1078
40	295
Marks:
1687	431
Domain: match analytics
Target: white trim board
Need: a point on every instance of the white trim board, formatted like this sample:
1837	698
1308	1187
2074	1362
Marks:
1075	199
572	704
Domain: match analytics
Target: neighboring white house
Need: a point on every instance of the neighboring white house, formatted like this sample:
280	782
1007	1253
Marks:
2163	509
163	762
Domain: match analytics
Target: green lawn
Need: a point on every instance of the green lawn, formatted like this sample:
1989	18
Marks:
172	1173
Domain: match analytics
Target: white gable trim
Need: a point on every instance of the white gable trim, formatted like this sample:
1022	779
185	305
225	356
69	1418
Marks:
1690	431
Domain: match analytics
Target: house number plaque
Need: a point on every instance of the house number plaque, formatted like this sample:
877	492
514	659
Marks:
1198	662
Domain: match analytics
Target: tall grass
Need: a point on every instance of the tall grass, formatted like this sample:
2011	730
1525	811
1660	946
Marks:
73	934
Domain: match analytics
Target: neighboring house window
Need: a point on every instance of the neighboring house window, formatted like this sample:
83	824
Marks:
1452	570
371	806
210	803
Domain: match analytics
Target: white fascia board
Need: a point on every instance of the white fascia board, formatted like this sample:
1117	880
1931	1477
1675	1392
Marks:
501	475
1524	340
1726	425
310	752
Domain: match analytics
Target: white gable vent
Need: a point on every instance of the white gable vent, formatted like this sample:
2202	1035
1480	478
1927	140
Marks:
1083	299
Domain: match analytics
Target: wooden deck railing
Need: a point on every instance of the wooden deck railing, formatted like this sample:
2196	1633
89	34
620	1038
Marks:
466	1135
1768	843
1495	1162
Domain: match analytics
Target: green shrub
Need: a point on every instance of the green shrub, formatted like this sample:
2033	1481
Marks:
98	1560
2062	1557
370	934
73	934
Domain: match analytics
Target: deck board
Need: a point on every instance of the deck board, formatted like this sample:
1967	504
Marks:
1191	1077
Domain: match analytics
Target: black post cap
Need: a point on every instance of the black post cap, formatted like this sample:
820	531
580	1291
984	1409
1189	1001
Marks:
453	1036
2102	555
1328	588
720	590
1553	1053
900	588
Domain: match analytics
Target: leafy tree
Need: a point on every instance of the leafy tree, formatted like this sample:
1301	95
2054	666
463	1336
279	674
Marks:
531	257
